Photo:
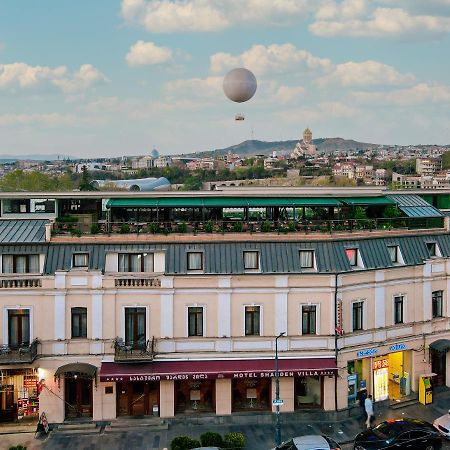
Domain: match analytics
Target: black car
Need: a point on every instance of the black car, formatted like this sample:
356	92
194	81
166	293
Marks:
399	434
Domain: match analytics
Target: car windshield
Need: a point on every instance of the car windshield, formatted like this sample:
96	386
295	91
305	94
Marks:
385	431
287	445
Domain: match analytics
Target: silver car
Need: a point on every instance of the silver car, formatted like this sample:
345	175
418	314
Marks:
442	424
309	442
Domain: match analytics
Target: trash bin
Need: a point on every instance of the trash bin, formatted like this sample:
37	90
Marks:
155	410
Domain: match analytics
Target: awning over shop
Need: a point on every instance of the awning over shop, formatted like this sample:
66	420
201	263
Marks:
367	201
220	202
441	345
88	370
209	370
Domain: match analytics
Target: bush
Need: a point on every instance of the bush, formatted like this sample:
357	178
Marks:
184	443
209	227
211	439
124	228
238	227
17	447
182	227
153	228
235	441
95	229
265	226
75	232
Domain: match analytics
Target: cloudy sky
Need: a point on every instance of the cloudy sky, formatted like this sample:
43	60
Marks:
116	77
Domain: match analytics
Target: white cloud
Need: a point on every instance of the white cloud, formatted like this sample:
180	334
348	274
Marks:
420	94
22	75
146	53
194	87
273	58
366	73
288	94
348	9
383	22
52	119
167	16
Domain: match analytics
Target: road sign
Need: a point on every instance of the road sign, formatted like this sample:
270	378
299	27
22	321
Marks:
278	402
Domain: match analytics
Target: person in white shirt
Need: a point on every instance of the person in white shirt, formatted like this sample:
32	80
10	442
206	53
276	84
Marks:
368	406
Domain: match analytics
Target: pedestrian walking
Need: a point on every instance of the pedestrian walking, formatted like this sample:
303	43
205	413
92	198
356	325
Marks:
368	406
361	396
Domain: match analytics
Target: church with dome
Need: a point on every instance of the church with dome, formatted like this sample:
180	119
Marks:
305	147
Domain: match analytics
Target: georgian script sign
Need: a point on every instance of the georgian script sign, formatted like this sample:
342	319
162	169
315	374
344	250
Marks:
213	376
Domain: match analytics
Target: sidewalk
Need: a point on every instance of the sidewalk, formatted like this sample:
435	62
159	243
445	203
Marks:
258	428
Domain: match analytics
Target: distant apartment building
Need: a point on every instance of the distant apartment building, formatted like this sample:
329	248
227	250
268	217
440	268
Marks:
162	161
400	181
344	170
144	162
428	166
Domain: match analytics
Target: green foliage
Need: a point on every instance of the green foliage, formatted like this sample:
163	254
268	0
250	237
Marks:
95	229
192	183
17	447
265	226
153	227
184	443
75	232
18	180
391	212
67	219
291	226
124	228
237	227
235	441
211	439
360	213
209	227
182	227
446	160
85	182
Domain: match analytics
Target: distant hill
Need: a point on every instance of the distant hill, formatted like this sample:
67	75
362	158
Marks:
37	157
254	147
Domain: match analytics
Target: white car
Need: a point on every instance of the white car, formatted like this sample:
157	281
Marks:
442	424
309	442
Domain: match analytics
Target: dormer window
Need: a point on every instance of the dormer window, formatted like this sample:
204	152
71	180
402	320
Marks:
431	246
20	264
195	261
80	260
352	255
251	260
306	259
393	253
136	262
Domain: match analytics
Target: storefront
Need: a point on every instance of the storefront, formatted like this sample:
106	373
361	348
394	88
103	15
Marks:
79	380
438	358
245	385
18	394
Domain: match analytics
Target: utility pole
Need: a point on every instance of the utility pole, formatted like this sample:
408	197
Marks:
277	393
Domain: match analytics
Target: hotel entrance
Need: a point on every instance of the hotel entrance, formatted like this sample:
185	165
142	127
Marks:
137	398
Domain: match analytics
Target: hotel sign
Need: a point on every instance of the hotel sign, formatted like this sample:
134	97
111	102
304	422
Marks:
213	376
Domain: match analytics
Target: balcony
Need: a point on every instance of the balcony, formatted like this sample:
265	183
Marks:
137	282
134	351
25	354
20	283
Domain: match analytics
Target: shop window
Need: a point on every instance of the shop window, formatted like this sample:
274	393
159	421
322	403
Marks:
308	392
136	262
252	320
18	328
135	334
352	255
80	260
437	303
79	322
20	263
306	259
195	321
251	260
308	319
398	309
195	261
357	315
393	253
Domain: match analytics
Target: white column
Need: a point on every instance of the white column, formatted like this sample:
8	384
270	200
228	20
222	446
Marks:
59	348
224	308
426	294
281	301
97	324
380	311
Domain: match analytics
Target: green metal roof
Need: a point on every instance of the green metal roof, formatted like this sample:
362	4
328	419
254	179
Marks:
367	201
219	202
414	206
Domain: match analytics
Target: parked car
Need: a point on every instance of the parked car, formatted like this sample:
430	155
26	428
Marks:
309	442
399	434
442	424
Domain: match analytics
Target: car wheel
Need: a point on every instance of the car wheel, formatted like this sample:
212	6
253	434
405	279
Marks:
429	447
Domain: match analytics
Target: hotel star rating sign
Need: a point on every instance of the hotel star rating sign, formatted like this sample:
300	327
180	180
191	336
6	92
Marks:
278	402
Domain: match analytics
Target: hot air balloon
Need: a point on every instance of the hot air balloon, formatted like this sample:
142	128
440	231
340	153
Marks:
239	86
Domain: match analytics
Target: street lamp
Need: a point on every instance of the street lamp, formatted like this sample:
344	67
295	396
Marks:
277	392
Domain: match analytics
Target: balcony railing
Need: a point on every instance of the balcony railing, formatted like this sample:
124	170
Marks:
137	282
12	283
23	354
304	226
142	350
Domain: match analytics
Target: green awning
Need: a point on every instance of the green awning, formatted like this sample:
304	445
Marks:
220	202
367	201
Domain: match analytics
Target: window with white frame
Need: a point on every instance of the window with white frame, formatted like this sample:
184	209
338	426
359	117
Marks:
80	260
357	315
195	321
306	259
251	260
20	263
136	262
352	256
393	253
309	319
195	261
398	309
252	320
437	299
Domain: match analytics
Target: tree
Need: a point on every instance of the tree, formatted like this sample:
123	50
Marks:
85	183
18	180
446	160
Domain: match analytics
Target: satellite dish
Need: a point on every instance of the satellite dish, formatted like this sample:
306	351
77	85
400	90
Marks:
239	85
